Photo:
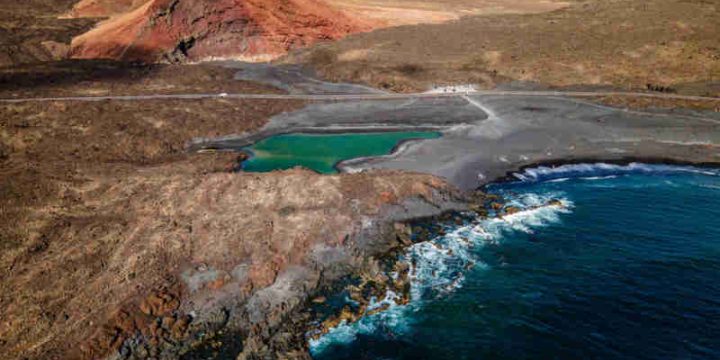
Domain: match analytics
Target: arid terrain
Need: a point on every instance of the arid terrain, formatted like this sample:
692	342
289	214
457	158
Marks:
623	44
119	240
182	31
32	31
114	211
385	13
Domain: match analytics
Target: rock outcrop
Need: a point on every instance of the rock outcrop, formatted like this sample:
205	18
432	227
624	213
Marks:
184	30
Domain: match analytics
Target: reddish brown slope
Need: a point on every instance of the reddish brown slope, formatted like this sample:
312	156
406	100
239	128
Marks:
192	30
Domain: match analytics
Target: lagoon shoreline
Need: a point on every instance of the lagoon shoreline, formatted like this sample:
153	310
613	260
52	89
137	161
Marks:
486	137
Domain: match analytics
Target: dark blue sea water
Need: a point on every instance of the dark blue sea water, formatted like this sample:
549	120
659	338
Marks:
629	268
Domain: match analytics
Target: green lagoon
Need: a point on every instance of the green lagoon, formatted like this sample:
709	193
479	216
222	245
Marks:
320	152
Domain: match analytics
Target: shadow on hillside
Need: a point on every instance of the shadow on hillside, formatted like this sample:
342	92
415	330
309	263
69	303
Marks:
62	75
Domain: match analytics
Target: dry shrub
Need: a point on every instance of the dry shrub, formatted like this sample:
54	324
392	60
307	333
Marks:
409	69
323	56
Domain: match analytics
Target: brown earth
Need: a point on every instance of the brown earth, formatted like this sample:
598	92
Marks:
385	13
102	209
656	103
619	43
66	211
103	8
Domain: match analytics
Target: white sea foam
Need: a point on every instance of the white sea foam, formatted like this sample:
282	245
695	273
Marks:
601	170
599	177
559	180
439	266
393	321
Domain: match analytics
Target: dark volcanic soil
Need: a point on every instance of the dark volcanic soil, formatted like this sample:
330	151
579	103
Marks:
30	31
93	78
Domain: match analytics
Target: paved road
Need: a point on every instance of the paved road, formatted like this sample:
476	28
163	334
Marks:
358	97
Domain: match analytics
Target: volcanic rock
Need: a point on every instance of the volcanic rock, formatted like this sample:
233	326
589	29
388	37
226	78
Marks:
182	30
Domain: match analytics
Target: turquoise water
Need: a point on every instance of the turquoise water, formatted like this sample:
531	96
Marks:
320	152
628	268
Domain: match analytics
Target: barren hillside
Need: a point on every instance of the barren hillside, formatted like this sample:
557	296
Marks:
32	31
182	30
173	30
619	43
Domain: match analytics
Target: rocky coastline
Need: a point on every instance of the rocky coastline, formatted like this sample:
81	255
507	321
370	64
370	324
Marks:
271	321
375	272
388	278
279	320
128	229
369	277
274	320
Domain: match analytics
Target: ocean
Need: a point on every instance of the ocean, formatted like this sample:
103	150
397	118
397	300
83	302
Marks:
627	268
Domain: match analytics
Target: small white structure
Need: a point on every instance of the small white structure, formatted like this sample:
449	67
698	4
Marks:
452	89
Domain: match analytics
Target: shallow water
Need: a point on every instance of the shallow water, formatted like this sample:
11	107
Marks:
628	268
320	152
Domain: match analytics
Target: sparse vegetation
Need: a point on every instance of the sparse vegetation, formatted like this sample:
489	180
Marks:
622	44
322	56
409	69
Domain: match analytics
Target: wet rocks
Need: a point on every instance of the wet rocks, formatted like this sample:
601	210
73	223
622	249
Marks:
482	203
370	294
511	210
555	202
403	233
366	295
319	300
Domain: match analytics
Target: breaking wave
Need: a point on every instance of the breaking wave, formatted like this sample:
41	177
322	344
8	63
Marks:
600	171
488	289
438	267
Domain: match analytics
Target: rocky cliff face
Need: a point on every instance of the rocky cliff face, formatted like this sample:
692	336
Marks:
181	30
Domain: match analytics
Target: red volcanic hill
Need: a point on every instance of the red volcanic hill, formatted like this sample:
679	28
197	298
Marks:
179	30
